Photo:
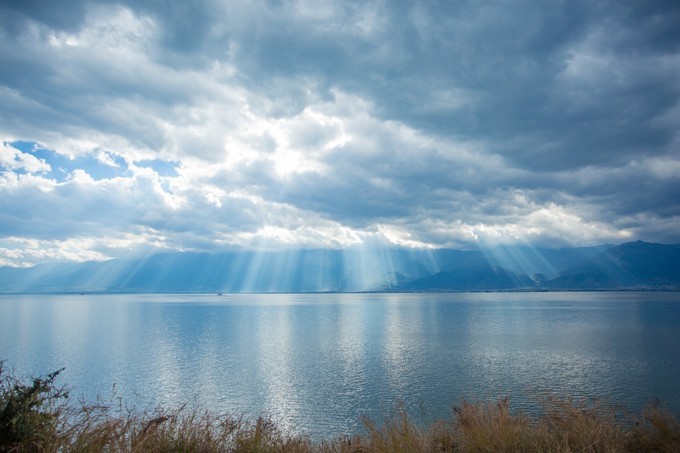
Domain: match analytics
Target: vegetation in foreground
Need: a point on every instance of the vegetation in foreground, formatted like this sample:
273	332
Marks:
39	416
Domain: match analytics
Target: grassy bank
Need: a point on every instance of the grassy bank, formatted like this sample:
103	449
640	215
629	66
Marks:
39	416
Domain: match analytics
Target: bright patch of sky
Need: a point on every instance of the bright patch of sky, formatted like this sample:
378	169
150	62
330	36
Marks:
129	127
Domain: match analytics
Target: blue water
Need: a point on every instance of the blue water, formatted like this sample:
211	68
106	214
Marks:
318	363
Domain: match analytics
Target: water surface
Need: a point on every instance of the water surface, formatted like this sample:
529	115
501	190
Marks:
318	362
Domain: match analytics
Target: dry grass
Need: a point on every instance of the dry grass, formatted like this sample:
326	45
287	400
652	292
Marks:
492	427
38	417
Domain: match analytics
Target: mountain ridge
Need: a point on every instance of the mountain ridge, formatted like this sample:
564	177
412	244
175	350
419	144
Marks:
633	265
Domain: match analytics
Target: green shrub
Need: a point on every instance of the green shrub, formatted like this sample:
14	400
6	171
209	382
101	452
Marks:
29	414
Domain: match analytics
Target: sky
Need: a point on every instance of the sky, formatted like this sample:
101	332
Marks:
137	126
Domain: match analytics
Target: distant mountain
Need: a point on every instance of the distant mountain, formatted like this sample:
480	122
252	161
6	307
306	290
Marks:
477	278
288	271
519	259
633	265
500	268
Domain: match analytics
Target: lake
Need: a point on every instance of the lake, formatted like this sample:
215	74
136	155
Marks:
318	362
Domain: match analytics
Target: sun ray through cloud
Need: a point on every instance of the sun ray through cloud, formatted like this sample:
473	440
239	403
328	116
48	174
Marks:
127	131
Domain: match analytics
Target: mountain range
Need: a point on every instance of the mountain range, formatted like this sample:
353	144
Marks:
634	265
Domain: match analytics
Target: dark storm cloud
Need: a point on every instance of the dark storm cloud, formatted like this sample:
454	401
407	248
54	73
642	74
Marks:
527	94
66	14
441	120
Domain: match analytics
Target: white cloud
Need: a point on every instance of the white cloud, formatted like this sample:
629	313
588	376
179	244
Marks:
22	252
14	159
333	124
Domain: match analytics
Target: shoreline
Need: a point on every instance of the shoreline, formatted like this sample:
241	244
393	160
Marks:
39	415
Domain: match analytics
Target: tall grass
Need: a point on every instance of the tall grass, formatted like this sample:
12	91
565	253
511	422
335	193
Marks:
39	417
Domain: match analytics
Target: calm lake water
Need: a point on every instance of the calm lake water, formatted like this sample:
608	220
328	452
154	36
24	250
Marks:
317	363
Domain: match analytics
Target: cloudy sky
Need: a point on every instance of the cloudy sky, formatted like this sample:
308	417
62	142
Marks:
133	126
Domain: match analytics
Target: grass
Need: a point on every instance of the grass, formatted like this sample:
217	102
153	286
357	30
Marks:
39	417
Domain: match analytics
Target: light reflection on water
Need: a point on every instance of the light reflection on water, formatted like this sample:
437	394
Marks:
317	363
